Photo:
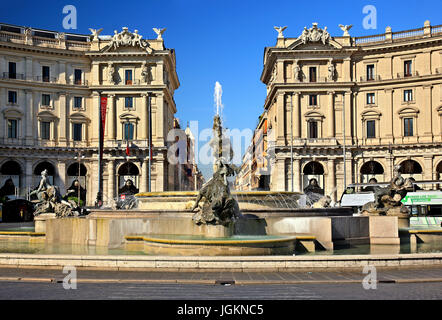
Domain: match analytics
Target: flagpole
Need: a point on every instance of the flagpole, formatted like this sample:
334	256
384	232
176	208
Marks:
149	118
99	199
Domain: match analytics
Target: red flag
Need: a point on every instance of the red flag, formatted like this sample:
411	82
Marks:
127	149
103	113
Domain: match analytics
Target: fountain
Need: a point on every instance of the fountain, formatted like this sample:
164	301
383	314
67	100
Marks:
213	221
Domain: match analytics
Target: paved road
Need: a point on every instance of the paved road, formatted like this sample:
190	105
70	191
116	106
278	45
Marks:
26	290
415	284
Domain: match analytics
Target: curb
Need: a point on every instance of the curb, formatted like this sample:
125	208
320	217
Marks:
216	282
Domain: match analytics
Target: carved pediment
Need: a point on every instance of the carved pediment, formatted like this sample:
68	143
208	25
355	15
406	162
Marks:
315	39
127	39
330	45
46	115
12	113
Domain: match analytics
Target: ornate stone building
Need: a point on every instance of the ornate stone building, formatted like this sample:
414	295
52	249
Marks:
50	86
350	108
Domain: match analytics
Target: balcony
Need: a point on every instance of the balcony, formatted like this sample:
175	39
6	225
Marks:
45	79
78	82
371	78
407	75
132	82
14	76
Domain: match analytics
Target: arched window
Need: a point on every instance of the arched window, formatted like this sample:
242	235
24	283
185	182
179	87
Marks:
372	169
76	172
439	171
411	168
313	170
10	177
128	171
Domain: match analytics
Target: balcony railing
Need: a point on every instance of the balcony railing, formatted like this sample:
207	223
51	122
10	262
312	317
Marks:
78	82
45	79
15	76
408	75
408	34
132	82
371	78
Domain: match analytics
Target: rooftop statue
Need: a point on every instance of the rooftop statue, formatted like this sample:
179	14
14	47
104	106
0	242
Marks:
159	32
127	38
280	30
314	34
345	28
95	33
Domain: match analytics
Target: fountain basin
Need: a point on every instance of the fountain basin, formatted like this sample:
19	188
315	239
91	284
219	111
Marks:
185	245
247	200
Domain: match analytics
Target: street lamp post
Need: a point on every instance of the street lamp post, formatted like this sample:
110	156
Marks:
291	138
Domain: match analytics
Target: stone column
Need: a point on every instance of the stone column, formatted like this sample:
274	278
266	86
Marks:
144	176
348	116
297	183
62	72
29	116
95	73
61	168
28	71
331	181
346	70
331	115
280	173
62	100
428	110
296	116
111	116
428	168
280	119
28	174
280	72
159	120
95	118
111	179
160	176
159	77
144	133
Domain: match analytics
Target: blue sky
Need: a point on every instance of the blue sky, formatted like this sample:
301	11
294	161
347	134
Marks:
221	40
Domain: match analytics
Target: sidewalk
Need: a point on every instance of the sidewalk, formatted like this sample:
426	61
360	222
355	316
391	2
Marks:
422	274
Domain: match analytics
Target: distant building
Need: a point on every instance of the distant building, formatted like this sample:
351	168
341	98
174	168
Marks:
187	176
49	108
378	97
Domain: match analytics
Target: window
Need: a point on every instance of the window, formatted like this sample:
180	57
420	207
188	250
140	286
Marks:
45	130
128	131
77	76
128	76
45	99
408	95
312	74
78	101
407	68
12	70
128	102
313	100
12	97
370	72
313	129
12	129
408	127
371	128
370	98
45	73
77	128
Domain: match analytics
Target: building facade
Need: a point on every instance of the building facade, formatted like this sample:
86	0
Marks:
50	89
346	109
